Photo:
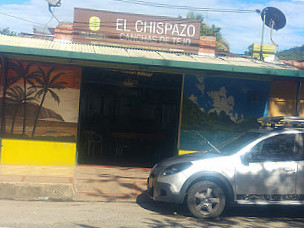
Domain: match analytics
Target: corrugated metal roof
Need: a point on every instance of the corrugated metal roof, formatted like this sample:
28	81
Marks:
160	58
43	30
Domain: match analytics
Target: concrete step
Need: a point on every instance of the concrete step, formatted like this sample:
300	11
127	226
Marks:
36	191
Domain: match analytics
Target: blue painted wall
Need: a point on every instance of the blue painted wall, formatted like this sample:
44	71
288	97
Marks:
219	108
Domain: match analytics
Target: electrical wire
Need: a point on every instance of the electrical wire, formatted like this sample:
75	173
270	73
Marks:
140	2
162	5
55	16
20	18
53	11
45	26
153	4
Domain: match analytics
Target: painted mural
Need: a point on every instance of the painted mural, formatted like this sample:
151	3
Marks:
39	100
219	108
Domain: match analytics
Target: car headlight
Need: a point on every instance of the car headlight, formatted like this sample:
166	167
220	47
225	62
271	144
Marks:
172	169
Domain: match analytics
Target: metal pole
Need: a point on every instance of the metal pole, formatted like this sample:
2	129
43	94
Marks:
180	114
262	40
298	98
272	24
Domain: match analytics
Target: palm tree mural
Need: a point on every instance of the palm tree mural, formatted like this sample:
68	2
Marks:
24	74
15	95
3	99
46	83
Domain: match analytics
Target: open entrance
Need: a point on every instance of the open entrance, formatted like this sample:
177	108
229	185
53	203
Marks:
128	118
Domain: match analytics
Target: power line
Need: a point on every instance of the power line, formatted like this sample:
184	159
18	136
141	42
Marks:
20	18
45	26
162	5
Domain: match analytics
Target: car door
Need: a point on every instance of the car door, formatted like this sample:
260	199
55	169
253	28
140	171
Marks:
300	171
268	171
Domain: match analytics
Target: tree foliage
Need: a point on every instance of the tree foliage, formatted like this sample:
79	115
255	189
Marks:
206	30
296	53
8	32
249	51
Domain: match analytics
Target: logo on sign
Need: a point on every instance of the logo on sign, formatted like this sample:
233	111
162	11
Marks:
94	23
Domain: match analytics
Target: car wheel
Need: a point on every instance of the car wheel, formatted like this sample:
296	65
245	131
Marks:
206	200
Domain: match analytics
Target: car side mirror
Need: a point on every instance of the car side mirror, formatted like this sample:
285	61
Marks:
246	158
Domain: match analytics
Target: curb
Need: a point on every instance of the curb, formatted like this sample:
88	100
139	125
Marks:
36	191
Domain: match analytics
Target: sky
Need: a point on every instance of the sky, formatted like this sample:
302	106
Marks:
239	29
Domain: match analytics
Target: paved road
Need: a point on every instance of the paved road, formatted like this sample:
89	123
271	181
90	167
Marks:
140	214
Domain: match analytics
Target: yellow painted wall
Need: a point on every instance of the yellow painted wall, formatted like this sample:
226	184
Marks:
32	152
181	152
282	99
302	100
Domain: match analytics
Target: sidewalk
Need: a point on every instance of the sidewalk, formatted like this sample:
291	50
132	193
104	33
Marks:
79	183
106	183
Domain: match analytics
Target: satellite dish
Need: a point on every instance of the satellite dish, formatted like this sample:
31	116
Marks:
273	18
53	3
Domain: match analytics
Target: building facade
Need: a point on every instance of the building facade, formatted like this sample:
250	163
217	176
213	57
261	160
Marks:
67	104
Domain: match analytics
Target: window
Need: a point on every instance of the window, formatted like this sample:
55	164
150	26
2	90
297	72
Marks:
299	146
277	148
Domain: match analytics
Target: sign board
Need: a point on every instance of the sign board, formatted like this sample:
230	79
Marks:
134	30
268	50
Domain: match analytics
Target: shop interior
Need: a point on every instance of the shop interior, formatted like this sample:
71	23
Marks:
128	118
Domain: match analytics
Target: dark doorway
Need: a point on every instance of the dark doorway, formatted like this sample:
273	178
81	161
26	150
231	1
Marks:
128	118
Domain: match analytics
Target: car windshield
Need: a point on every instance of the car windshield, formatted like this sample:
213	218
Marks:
236	143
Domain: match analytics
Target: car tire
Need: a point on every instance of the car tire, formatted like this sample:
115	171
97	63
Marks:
206	199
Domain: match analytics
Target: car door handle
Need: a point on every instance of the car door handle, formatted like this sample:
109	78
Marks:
289	170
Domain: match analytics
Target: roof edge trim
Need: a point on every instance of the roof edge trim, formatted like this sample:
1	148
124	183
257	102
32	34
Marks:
162	63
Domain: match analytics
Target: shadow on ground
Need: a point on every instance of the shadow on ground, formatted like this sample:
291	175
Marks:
145	202
244	216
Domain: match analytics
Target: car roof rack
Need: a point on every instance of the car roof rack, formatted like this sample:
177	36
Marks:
282	121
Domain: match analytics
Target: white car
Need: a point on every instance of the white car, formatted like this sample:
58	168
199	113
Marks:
263	166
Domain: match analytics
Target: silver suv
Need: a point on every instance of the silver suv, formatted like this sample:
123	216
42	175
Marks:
263	166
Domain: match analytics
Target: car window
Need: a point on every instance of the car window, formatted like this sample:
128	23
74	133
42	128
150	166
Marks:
299	146
277	148
236	143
